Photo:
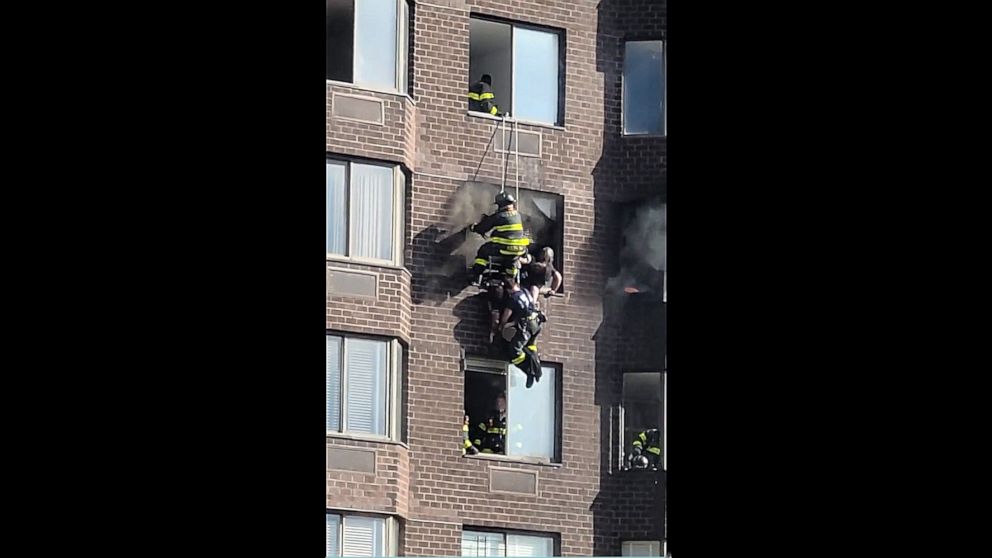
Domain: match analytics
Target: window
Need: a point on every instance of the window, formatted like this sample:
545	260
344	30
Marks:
363	386
532	415
641	406
542	214
367	42
360	535
525	64
641	548
482	543
644	107
364	212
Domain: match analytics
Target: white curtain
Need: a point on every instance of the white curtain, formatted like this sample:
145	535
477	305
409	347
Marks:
364	536
337	214
530	417
333	523
372	211
522	545
333	384
366	367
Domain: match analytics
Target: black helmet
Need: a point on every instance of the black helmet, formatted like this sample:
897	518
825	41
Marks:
504	199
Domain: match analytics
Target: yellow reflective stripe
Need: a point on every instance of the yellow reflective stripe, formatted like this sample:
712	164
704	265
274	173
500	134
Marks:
481	261
467	444
656	451
510	241
502	431
474	96
520	358
478	442
510	227
637	443
532	347
513	252
487	450
485	96
643	437
464	428
493	111
482	426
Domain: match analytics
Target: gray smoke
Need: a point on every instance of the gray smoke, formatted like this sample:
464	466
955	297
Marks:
467	206
644	256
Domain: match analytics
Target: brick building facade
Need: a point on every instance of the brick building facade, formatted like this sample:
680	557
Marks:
390	303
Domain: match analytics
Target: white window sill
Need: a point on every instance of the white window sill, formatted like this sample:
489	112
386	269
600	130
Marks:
476	114
366	438
514	459
392	92
644	135
362	261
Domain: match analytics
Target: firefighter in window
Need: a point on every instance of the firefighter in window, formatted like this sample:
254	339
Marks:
490	435
645	452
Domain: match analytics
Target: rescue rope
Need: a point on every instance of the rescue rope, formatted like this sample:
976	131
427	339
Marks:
490	142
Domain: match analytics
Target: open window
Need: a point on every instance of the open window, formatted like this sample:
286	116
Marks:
542	214
526	64
642	257
495	543
366	42
533	416
642	409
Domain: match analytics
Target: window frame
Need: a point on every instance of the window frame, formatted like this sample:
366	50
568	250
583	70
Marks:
656	546
487	365
396	259
562	73
390	535
664	94
662	411
555	537
394	388
560	204
401	77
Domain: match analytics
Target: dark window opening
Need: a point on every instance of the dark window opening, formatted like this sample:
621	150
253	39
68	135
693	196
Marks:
339	29
482	389
532	415
642	255
542	214
526	64
643	409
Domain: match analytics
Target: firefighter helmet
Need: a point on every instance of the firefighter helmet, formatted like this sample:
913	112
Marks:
640	462
504	199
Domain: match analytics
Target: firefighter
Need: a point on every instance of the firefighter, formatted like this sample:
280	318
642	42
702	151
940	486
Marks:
523	313
646	450
539	272
507	241
491	434
481	97
467	445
